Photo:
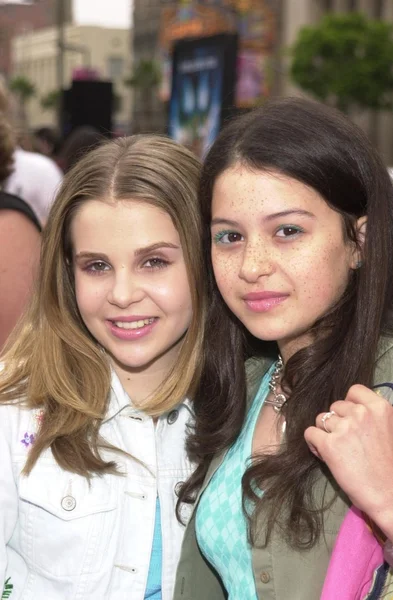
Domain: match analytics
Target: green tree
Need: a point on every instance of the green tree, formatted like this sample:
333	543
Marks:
145	79
23	89
51	100
346	60
146	75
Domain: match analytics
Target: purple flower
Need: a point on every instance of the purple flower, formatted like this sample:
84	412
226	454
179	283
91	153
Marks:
28	439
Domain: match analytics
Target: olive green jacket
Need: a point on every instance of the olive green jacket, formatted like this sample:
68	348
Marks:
280	572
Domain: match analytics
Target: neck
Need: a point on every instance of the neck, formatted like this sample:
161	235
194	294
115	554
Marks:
140	386
288	348
142	383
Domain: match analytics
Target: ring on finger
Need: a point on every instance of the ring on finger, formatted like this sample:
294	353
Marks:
325	417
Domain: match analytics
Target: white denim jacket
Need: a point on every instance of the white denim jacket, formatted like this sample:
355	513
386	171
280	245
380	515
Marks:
63	539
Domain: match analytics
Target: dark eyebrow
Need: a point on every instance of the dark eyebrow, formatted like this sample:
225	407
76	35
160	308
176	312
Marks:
286	213
224	222
138	252
278	215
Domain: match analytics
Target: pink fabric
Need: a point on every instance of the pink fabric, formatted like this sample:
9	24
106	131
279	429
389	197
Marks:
356	555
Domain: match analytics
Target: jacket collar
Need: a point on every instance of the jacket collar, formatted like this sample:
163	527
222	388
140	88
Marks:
120	402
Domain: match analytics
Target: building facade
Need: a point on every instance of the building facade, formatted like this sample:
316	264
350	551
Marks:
19	19
106	51
291	17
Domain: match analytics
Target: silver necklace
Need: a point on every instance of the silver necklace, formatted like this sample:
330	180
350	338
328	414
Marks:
279	398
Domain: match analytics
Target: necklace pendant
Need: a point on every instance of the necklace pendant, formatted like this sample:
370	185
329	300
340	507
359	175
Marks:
280	399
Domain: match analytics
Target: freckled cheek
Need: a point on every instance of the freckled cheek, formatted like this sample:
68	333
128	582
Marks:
226	276
319	281
225	268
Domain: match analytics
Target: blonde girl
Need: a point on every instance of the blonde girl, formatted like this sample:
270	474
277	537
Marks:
96	382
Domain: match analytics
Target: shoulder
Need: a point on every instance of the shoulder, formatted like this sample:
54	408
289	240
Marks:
256	368
18	427
32	161
14	210
384	363
19	235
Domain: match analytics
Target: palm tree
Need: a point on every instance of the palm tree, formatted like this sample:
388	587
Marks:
23	89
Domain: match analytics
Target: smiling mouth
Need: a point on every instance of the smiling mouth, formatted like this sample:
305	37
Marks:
134	324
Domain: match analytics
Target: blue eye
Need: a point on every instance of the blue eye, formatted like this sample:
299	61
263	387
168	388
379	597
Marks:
288	231
227	237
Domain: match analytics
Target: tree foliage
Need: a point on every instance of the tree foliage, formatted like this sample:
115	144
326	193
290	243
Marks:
346	60
146	75
51	100
22	87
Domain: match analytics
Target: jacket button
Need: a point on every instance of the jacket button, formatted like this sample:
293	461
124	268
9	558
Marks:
265	577
172	417
68	503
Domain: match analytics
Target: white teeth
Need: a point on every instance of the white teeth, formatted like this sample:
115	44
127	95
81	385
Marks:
133	324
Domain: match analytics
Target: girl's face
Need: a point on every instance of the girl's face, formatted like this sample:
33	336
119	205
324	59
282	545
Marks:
131	283
279	254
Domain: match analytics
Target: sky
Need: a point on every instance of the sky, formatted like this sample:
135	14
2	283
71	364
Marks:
110	13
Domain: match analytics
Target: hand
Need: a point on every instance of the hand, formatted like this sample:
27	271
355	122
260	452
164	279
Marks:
358	449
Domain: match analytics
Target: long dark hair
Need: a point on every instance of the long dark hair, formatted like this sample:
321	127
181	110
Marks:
321	148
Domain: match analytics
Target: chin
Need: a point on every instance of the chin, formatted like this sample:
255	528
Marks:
131	362
268	335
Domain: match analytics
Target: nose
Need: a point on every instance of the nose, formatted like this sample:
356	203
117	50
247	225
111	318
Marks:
125	290
256	262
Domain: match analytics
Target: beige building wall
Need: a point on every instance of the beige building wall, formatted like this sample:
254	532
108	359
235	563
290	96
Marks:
300	13
34	55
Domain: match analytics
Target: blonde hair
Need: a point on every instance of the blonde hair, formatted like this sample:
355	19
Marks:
7	147
52	361
7	136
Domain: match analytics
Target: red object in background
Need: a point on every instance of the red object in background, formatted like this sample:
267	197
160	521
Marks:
85	74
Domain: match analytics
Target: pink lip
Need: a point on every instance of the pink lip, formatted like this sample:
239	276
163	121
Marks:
130	334
264	301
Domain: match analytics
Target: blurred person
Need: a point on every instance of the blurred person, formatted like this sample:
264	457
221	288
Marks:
20	242
34	178
78	143
46	141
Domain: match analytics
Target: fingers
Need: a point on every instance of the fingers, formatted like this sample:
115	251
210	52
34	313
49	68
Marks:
314	438
359	394
357	400
355	414
342	408
325	421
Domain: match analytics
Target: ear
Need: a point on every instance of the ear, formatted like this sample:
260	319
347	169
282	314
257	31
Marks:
361	229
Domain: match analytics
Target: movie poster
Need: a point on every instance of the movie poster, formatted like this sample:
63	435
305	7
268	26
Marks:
203	87
254	21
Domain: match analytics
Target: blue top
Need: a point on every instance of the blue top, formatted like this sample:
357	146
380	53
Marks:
153	586
221	526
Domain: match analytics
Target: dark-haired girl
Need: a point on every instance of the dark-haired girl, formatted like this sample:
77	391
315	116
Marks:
295	473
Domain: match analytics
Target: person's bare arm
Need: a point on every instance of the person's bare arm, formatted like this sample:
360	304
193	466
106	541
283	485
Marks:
19	256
